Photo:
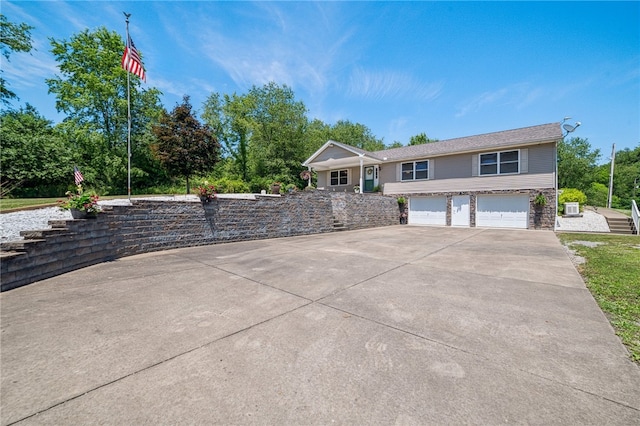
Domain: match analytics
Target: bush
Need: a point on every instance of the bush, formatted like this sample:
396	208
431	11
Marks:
231	186
571	195
597	195
257	184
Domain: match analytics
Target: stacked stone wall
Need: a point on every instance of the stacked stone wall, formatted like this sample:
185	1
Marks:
149	225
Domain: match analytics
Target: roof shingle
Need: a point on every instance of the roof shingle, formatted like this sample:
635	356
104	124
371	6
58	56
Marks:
526	135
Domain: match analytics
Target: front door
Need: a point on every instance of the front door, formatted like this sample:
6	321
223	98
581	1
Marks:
460	213
369	176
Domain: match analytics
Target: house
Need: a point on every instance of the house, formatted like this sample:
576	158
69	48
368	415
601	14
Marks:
488	180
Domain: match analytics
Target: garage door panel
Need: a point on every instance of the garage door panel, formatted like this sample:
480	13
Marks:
500	211
428	210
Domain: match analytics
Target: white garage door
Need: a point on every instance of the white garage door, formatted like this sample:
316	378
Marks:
502	211
428	210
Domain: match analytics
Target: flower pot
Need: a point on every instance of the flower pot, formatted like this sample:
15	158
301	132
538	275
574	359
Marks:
82	214
275	189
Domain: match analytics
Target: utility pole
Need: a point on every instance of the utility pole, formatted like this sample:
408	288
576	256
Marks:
613	159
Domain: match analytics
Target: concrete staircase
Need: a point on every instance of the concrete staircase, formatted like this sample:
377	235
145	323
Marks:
619	225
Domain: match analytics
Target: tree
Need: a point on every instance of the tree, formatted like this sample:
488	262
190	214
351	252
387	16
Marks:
184	146
626	176
229	120
33	154
92	91
278	125
356	134
13	38
576	163
420	139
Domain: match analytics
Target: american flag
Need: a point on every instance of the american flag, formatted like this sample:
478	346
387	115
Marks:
78	176
131	60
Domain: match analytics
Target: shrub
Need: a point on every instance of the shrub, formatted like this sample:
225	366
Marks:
597	194
571	195
231	186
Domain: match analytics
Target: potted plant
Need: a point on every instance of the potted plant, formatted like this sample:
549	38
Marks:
356	189
206	192
83	205
275	187
540	200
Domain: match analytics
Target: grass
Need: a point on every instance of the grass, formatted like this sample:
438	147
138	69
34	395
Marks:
13	204
612	274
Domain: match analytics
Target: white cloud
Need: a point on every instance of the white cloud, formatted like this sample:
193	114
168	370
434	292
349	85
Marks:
379	85
519	96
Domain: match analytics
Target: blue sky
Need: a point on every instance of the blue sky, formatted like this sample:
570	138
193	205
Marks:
448	69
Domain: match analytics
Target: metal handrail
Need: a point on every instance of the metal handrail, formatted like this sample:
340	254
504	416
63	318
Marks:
635	215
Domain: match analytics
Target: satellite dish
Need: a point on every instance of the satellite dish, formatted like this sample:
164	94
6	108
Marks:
568	127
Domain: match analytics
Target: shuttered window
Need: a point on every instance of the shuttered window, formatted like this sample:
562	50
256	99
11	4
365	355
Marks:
415	170
500	163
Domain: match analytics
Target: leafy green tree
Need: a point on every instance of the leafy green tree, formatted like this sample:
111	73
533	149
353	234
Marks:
13	38
597	194
626	175
92	92
356	134
576	163
229	119
278	127
316	134
35	158
185	146
420	139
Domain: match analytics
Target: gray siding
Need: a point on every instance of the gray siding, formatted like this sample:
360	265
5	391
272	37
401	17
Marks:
536	159
454	166
463	185
334	152
542	158
324	180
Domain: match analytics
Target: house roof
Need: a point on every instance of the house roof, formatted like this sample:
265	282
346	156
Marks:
507	138
543	133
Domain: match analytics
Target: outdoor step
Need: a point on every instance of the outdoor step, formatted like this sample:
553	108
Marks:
622	226
19	245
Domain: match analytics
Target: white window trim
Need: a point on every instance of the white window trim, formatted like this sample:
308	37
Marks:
498	173
414	170
339	170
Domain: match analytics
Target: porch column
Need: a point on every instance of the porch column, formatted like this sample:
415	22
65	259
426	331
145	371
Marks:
361	173
310	176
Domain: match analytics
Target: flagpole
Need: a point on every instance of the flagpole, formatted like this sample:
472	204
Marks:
127	15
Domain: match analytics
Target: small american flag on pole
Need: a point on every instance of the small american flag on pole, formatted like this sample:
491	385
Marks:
78	176
131	60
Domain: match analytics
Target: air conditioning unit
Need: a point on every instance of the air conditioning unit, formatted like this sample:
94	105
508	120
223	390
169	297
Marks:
572	209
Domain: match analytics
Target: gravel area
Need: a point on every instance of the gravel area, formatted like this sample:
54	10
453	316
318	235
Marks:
589	222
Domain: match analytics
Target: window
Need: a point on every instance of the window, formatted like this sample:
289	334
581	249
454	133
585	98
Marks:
415	170
500	163
340	177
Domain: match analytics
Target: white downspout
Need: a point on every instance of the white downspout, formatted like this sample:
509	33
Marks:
361	173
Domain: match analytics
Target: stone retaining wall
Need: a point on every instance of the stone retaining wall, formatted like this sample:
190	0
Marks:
149	225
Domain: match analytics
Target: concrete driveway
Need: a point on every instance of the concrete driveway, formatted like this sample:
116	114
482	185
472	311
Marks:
401	325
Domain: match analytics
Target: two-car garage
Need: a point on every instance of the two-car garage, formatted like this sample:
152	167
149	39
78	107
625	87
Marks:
493	211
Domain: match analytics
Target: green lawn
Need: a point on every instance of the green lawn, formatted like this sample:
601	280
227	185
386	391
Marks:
19	203
10	204
612	274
